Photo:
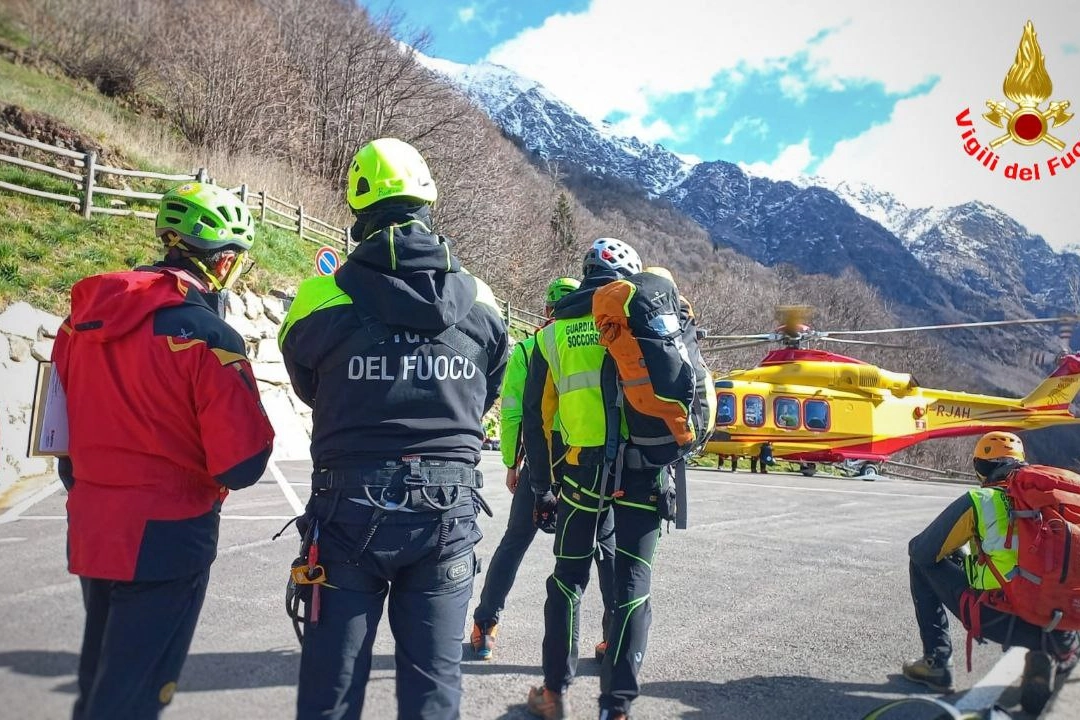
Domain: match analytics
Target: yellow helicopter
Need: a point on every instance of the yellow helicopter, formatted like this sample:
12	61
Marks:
814	406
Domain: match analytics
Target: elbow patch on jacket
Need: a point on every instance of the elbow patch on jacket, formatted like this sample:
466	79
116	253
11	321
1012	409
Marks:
245	473
186	326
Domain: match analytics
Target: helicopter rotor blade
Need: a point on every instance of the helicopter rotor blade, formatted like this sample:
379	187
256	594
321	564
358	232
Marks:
863	342
952	326
755	336
736	346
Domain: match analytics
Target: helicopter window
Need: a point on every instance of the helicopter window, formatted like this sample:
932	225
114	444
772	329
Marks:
725	409
786	412
754	410
816	414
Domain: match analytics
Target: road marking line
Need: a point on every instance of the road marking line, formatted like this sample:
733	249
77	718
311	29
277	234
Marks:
11	540
824	490
223	517
16	511
985	693
286	488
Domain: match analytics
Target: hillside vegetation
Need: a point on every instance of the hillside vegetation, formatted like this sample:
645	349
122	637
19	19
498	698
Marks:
283	99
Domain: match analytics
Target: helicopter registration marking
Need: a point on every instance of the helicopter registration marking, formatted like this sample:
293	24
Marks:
956	411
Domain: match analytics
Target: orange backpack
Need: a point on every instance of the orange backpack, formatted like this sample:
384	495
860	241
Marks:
1044	527
650	334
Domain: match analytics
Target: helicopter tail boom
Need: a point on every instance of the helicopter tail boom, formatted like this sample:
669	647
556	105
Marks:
1058	390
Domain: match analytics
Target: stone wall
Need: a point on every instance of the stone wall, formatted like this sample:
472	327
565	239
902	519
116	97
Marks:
26	337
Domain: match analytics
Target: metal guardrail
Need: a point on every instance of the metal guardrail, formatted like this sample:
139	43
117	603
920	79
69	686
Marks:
933	473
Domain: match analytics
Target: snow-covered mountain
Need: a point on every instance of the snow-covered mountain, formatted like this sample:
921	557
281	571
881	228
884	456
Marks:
971	260
553	131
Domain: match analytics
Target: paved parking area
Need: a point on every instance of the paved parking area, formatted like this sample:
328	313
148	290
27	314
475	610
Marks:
786	598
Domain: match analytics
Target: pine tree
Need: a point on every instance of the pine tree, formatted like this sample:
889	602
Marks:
562	224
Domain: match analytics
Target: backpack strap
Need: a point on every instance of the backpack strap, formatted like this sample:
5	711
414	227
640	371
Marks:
453	338
370	333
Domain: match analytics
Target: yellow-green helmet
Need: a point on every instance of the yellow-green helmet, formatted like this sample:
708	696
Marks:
205	218
388	168
560	288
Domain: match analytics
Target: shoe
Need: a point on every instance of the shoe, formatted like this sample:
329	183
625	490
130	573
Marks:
1037	682
606	714
600	650
547	705
931	672
483	639
1070	656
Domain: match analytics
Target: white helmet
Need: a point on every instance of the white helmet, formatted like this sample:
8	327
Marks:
612	255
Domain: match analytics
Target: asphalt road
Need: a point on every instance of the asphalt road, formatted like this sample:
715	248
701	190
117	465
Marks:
786	598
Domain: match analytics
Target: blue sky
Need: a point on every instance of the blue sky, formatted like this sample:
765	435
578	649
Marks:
846	89
746	115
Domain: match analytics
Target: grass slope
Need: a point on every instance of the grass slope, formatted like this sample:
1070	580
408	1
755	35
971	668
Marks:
46	246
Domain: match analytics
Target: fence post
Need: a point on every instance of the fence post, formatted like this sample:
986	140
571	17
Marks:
200	176
507	312
300	220
262	206
88	185
243	193
348	240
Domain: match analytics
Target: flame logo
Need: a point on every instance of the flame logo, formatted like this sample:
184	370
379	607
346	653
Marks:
1028	85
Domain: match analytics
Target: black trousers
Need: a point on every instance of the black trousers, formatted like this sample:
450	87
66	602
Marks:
136	639
938	587
637	530
423	563
520	531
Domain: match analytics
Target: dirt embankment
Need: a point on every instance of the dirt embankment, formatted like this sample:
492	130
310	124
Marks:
46	129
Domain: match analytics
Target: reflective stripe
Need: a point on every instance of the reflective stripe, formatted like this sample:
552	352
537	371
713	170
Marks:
578	381
551	350
509	402
662	440
639	381
992	523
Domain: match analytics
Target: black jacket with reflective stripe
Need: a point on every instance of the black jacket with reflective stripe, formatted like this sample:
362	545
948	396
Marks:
407	395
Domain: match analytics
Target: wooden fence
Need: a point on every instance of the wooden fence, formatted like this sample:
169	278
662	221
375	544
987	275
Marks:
87	183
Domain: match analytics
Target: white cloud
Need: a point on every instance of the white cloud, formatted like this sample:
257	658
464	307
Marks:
746	124
622	56
792	162
466	14
654	131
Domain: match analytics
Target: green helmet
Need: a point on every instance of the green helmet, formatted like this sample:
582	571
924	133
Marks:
205	218
560	288
387	168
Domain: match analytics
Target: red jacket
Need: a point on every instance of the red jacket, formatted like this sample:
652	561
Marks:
164	417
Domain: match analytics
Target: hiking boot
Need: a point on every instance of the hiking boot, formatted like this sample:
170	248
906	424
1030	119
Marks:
933	673
1070	656
547	705
600	650
606	714
1037	682
483	639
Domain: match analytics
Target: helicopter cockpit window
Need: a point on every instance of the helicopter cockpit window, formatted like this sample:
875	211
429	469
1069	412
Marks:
786	412
816	414
725	409
754	410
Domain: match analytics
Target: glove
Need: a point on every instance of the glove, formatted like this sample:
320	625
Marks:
544	512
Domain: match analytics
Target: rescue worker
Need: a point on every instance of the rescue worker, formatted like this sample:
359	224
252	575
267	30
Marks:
164	420
400	354
565	375
520	528
943	576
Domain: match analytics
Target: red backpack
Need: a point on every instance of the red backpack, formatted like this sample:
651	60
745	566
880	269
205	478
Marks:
1044	528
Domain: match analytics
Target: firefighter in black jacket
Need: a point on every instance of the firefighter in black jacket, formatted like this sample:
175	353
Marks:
399	354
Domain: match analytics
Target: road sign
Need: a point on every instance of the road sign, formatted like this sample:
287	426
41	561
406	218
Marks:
327	260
